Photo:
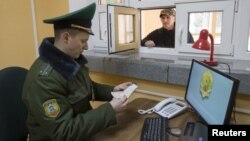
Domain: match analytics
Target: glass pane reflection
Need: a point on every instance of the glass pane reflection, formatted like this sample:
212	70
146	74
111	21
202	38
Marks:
212	21
126	28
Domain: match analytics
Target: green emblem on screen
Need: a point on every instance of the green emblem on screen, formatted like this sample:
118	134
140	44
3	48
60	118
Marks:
206	84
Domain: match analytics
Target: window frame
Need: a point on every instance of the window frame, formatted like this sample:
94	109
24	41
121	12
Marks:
241	30
183	10
237	42
113	36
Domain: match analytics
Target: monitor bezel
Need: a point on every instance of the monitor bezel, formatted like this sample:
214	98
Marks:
232	97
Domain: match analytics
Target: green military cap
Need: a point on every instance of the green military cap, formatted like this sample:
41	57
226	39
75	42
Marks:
80	19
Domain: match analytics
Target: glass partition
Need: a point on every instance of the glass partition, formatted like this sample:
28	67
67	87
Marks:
212	21
215	16
125	28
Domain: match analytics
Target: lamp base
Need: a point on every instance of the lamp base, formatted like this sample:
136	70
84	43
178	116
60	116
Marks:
210	63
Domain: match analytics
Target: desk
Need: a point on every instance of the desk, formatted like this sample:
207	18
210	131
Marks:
130	123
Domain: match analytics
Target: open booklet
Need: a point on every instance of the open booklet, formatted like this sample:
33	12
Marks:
127	92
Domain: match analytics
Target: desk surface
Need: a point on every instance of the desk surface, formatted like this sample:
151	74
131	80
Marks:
130	123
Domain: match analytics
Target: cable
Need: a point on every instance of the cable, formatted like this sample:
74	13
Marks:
228	66
229	72
234	117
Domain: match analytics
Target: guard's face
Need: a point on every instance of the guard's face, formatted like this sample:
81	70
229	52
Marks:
77	44
168	22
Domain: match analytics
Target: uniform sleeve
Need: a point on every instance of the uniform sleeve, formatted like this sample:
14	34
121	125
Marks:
151	36
56	117
102	92
190	38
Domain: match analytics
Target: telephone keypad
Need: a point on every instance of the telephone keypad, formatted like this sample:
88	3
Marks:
172	109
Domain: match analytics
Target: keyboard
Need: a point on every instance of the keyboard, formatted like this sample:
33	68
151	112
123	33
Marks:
155	129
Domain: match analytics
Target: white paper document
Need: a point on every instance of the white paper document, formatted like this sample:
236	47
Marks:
127	92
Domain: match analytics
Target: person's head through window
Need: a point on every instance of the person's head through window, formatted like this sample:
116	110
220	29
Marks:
168	18
165	35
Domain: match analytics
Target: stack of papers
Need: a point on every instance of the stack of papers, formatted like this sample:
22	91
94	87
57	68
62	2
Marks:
127	92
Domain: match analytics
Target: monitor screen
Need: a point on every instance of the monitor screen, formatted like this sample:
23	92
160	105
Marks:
211	93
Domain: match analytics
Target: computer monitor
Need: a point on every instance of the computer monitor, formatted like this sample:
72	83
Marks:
211	93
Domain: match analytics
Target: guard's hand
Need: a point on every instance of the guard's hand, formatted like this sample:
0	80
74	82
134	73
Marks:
122	86
150	43
119	104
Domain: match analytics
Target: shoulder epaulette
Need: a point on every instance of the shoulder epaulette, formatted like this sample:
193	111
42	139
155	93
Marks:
45	70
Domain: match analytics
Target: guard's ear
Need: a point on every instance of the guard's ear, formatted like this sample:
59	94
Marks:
65	37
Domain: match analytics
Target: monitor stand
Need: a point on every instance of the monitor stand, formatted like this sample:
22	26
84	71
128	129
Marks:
194	131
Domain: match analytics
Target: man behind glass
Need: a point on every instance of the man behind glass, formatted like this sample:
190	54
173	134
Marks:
164	36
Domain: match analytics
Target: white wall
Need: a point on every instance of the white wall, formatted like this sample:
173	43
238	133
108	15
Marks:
78	4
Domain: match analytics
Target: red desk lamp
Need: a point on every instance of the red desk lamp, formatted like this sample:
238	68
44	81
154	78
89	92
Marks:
203	44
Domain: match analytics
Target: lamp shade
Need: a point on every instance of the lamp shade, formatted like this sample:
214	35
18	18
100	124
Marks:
203	44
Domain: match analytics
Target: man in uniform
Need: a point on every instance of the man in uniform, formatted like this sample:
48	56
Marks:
58	88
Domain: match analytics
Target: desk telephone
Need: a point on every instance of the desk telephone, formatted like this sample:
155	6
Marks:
167	108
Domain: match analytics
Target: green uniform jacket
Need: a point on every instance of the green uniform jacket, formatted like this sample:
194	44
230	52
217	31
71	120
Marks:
57	92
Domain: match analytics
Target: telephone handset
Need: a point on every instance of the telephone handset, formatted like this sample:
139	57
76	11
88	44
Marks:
167	108
164	102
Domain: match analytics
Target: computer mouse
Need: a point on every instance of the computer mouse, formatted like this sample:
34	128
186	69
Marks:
175	132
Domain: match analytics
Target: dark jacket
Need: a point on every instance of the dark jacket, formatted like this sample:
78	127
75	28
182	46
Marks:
57	92
164	38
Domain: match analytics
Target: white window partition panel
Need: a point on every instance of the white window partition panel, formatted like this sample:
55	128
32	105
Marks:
224	14
242	30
